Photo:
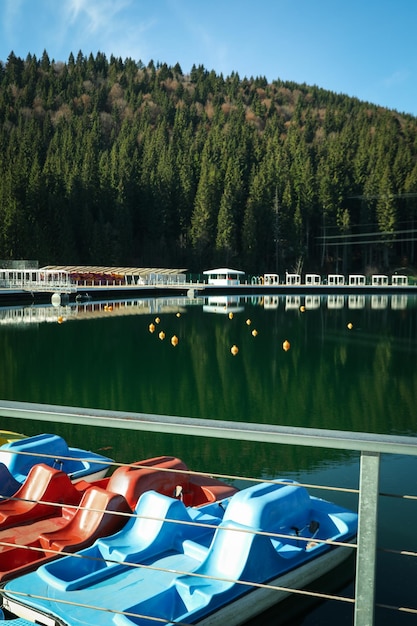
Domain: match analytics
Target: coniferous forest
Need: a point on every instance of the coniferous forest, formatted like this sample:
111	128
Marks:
111	162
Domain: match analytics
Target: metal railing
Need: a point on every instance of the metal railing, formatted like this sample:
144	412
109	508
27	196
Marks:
370	447
36	280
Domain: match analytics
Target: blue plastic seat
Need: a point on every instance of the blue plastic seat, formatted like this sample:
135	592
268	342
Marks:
20	464
270	507
235	554
143	537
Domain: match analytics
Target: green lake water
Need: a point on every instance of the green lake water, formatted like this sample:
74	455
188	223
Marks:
351	365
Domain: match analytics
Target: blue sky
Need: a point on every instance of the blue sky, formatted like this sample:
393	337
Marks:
362	48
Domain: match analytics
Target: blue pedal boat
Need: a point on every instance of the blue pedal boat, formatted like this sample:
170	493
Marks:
20	455
221	563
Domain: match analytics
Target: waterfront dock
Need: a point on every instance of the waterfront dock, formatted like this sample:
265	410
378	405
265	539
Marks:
60	284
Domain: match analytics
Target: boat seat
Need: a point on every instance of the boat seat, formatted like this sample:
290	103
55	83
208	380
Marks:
270	507
8	484
236	553
142	536
44	484
38	445
133	481
92	520
139	540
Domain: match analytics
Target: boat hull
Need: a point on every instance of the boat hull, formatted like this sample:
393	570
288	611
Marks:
236	613
259	600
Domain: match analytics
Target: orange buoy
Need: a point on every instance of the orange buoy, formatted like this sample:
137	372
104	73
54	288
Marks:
161	335
60	319
286	345
254	332
234	350
151	328
174	340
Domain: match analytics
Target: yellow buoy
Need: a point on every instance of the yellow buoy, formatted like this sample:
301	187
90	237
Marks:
350	325
254	332
302	308
60	319
234	350
178	314
249	322
161	335
151	328
174	340
286	345
230	315
157	320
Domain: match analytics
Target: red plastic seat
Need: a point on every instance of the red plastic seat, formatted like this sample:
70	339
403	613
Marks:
133	481
93	519
43	485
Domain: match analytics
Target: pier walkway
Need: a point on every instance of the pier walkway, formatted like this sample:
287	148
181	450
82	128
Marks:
64	283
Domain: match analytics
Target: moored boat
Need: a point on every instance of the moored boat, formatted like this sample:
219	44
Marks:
50	515
6	436
21	454
217	564
169	476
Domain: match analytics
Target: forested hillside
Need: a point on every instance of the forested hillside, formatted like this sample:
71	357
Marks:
105	161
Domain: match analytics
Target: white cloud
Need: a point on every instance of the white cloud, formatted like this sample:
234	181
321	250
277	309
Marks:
96	14
105	25
396	78
11	11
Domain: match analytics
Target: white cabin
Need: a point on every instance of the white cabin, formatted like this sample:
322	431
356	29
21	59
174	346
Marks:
223	277
398	280
313	279
271	279
336	279
292	279
379	280
357	279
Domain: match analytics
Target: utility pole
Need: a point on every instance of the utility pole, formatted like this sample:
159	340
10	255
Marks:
276	228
